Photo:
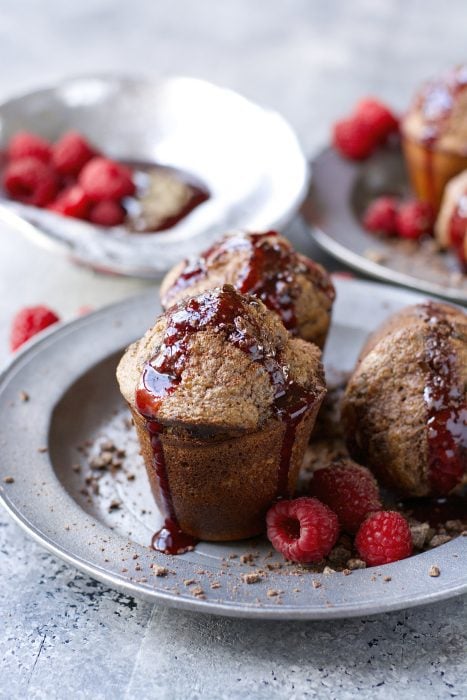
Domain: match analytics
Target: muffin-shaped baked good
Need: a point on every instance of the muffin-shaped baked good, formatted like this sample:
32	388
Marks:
434	134
267	266
451	224
405	406
223	400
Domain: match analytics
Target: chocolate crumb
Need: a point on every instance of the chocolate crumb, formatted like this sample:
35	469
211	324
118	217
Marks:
327	571
420	533
42	449
130	477
197	592
159	570
24	396
438	540
115	504
76	467
251	578
246	559
354	563
274	566
215	584
272	593
346	572
8	480
434	571
189	581
386	579
316	584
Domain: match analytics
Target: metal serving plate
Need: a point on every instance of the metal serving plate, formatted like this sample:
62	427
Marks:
247	156
69	375
339	193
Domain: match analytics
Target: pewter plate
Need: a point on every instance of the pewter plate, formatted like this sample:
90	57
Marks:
247	156
339	193
69	375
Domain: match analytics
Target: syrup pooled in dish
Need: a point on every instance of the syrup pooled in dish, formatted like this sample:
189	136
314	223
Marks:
266	266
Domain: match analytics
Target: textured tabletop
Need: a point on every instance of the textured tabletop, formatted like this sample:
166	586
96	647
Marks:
62	634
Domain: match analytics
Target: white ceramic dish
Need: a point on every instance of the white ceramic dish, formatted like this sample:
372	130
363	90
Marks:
247	156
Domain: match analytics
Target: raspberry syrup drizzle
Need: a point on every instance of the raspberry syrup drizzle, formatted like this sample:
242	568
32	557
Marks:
446	405
269	272
224	311
458	229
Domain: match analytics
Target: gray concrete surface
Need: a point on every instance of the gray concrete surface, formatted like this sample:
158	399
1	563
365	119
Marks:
62	635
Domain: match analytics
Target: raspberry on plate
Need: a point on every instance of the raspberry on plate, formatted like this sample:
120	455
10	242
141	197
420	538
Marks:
303	530
24	144
73	201
414	219
349	489
71	153
380	119
102	179
30	181
107	213
353	138
29	321
381	216
384	537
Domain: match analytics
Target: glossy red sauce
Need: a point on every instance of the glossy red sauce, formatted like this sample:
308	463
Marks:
458	229
446	404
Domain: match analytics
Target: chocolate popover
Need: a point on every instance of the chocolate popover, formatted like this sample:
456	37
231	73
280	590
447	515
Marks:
266	265
405	406
434	134
224	400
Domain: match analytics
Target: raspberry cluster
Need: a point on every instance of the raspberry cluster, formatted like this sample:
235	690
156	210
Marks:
344	495
410	220
371	123
68	177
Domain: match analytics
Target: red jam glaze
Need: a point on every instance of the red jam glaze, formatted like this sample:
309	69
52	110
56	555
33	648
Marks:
269	273
222	310
437	100
446	405
458	229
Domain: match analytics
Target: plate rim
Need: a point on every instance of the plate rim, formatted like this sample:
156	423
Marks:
363	265
230	609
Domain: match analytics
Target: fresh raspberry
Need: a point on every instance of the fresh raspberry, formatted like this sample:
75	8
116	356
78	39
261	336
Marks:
353	139
378	118
30	181
381	215
25	145
105	179
349	490
72	201
28	322
414	219
384	537
303	529
71	153
107	213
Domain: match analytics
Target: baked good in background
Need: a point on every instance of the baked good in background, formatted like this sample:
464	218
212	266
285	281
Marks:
266	265
434	134
451	224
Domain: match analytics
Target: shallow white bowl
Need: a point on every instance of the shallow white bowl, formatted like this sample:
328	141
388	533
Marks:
248	157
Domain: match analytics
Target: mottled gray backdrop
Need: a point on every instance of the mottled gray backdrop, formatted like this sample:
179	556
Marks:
62	635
